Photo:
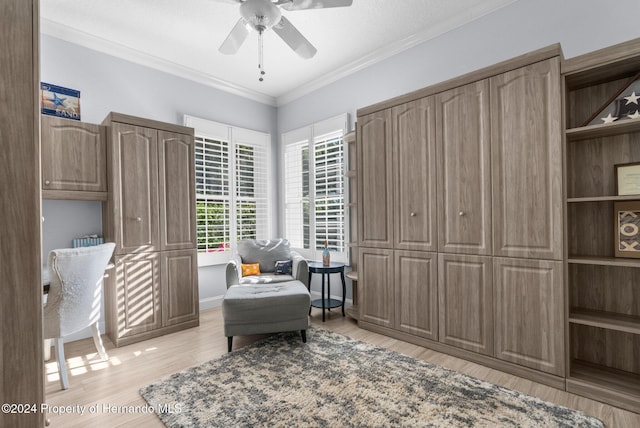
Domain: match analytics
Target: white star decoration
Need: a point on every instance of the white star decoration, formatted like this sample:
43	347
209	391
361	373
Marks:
609	119
633	98
634	115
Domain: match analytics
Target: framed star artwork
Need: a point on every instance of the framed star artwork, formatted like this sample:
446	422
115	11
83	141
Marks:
623	105
60	101
627	229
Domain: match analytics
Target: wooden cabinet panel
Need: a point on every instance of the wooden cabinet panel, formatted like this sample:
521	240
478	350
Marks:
416	293
180	288
375	174
176	191
137	296
529	317
135	204
466	302
527	162
464	169
377	296
73	155
414	150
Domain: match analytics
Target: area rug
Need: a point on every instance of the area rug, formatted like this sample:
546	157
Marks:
335	381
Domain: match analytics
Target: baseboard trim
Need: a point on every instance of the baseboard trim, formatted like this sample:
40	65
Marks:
211	302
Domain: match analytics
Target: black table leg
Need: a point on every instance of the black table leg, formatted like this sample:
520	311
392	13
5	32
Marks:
329	291
309	288
322	297
344	290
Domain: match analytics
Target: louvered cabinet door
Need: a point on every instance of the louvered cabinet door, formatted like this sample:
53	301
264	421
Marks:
135	192
176	191
464	169
375	180
526	146
414	154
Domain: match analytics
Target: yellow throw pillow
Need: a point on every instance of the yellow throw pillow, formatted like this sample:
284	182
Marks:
250	269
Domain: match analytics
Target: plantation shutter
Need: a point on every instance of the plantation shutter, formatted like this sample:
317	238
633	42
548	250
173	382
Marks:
329	192
296	181
251	201
213	205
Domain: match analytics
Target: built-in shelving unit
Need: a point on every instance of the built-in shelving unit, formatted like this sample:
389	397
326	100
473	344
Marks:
352	215
603	309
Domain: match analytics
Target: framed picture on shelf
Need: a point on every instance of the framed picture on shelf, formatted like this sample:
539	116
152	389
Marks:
627	178
623	105
627	228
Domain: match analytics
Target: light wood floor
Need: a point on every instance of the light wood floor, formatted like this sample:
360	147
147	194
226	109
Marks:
106	385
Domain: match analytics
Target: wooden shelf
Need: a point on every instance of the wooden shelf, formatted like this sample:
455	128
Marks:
605	130
352	275
608	320
603	198
616	387
604	261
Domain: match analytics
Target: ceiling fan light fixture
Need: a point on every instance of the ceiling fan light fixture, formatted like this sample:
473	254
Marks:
260	14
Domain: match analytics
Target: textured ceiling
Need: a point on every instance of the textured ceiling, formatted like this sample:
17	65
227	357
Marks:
182	37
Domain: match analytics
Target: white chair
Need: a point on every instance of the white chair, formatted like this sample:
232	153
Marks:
75	297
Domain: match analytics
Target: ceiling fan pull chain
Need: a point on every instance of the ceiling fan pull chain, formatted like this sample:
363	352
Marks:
260	56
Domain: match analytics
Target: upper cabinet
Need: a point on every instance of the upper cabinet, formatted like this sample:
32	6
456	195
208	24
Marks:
414	151
464	175
152	203
73	159
527	161
375	184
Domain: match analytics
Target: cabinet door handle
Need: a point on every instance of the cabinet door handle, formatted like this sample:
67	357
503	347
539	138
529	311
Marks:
412	214
461	213
47	182
139	219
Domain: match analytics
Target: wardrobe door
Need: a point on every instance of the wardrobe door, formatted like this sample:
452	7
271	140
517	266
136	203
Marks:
527	162
375	174
414	151
179	286
529	313
135	193
464	169
176	191
416	293
466	302
377	296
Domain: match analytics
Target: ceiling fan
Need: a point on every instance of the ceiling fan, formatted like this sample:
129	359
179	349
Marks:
263	15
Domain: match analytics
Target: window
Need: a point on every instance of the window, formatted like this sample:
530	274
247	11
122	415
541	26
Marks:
232	187
314	188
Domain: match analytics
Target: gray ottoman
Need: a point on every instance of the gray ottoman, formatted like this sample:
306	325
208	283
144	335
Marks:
265	308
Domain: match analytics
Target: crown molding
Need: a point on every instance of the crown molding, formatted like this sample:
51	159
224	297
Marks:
392	49
71	35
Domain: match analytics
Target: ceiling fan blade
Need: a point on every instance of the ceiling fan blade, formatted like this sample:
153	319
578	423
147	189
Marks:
235	39
294	38
312	4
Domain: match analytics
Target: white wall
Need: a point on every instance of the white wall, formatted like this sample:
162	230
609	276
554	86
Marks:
580	26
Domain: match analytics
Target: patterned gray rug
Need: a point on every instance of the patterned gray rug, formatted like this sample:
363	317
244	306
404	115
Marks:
333	380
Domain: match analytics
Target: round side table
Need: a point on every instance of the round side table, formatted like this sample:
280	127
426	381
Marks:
327	302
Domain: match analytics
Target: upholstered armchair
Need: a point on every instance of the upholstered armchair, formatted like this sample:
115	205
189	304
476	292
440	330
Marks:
266	253
273	294
75	297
